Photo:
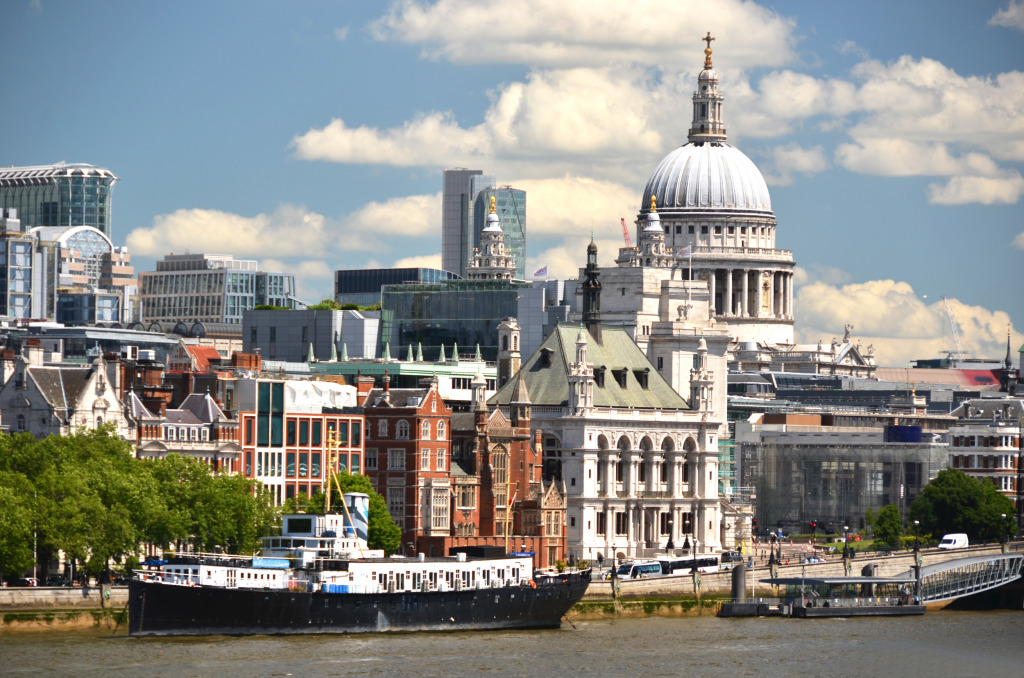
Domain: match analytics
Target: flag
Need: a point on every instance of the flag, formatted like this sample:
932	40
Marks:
685	252
541	272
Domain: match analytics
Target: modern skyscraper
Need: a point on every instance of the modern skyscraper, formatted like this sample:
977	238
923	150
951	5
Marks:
464	210
59	195
456	216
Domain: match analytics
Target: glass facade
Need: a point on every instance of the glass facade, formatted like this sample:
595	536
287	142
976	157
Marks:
16	277
59	195
363	286
510	204
466	312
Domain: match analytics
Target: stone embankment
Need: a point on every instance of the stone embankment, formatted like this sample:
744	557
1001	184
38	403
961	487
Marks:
44	608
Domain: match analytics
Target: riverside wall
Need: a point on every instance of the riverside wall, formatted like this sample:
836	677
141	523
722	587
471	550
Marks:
719	584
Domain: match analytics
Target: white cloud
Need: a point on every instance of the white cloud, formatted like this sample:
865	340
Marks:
891	156
792	159
1010	17
341	33
421	261
1018	241
1005	190
290	231
573	206
901	326
565	260
569	33
314	278
851	47
414	215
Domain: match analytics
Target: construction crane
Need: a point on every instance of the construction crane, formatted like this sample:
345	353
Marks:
625	232
954	330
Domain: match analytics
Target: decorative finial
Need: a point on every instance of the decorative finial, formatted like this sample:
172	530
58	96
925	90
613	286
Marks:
493	208
654	203
707	50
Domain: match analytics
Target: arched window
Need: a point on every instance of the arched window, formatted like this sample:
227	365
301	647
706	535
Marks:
402	430
382	428
441	430
21	422
504	343
425	430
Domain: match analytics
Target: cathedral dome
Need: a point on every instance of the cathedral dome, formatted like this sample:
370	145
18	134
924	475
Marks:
707	176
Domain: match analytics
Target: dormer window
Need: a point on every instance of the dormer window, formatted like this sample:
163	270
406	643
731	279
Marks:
599	376
545	357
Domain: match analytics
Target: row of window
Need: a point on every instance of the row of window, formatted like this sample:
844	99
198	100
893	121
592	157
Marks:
396	459
186	433
1004	462
985	441
402	429
622	523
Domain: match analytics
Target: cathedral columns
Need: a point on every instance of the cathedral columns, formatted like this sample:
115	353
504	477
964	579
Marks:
729	308
772	306
745	302
712	274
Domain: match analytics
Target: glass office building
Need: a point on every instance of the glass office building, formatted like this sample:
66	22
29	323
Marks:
363	286
510	204
59	195
463	312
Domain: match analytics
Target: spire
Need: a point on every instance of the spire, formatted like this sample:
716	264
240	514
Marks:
344	352
592	294
334	351
310	358
409	358
1009	354
455	354
419	352
441	357
479	356
707	104
387	351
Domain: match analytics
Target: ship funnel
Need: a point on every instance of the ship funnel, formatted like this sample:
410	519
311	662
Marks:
358	505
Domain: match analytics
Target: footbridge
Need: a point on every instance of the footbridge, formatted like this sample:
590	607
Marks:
945	581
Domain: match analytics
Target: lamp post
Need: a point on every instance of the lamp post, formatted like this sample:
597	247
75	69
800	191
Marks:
846	549
670	545
1005	534
917	538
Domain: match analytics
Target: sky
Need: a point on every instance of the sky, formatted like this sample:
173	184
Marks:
312	135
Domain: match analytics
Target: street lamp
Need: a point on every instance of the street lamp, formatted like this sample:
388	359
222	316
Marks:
917	536
1006	536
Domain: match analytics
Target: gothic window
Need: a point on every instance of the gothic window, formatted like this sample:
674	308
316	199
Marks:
382	428
425	430
21	422
425	459
440	460
441	432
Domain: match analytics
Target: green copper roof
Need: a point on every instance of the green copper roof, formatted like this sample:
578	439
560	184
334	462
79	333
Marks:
547	378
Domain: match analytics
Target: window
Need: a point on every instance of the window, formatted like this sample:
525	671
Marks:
290	465
433	405
396	459
602	523
424	459
425	430
382	428
371	459
621	524
466	496
441	432
396	504
303	464
440	460
439	508
317	426
402	430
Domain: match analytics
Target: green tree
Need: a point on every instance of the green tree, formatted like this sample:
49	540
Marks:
889	525
325	305
382	531
956	502
16	522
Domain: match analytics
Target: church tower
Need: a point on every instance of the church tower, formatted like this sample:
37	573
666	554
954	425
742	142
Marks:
491	261
707	104
509	356
592	294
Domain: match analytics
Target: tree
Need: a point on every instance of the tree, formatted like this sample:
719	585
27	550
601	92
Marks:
889	525
956	502
382	532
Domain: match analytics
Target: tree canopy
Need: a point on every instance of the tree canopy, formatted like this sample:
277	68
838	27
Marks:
956	502
888	525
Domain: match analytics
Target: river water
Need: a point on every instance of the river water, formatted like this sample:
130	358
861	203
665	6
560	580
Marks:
937	645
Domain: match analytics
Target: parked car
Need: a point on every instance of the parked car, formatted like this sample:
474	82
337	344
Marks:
25	581
956	540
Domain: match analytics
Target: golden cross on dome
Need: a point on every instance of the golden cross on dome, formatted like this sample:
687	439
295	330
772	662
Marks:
707	50
707	38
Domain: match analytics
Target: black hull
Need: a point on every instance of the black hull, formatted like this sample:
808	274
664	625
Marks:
165	609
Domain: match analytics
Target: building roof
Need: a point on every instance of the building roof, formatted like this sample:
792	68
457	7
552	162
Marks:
202	356
61	386
546	372
203	407
397	397
21	176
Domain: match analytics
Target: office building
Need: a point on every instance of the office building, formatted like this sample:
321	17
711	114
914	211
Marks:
361	286
457	204
298	335
509	205
63	194
210	288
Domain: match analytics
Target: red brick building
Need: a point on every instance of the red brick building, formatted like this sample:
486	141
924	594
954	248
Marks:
408	453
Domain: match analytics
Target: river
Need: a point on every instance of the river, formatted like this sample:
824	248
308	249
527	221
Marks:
939	644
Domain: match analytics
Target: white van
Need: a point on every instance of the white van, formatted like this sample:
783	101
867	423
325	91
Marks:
957	540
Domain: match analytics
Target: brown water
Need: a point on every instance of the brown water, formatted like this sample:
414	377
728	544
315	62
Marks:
937	645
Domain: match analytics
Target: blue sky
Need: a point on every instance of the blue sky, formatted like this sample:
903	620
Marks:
312	135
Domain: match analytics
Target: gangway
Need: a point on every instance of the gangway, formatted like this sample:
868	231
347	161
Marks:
966	576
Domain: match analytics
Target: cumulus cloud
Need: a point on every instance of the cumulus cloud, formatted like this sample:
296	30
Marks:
1018	242
291	230
794	159
1005	190
890	156
566	259
573	206
341	33
900	325
570	33
414	215
314	278
421	261
1012	16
